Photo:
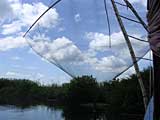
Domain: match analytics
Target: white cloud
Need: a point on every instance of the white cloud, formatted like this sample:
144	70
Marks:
8	43
27	13
11	73
106	64
61	49
77	18
100	41
14	27
111	63
120	59
24	15
18	75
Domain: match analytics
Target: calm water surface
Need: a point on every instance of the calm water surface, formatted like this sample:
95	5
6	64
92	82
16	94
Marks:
32	113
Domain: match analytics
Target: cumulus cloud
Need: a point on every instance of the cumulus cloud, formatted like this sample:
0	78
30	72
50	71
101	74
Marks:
29	12
25	14
107	64
60	49
120	59
100	41
14	27
8	43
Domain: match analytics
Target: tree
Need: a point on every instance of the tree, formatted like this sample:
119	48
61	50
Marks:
83	90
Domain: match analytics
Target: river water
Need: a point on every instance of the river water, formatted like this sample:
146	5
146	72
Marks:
41	112
31	113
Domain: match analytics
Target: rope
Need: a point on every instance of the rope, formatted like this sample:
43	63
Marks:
56	64
108	22
41	16
129	66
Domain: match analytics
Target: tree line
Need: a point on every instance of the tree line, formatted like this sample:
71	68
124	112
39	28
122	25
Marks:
117	99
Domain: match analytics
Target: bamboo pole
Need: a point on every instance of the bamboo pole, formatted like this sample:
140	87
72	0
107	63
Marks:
143	90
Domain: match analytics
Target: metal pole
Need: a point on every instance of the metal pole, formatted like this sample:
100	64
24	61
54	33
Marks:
144	93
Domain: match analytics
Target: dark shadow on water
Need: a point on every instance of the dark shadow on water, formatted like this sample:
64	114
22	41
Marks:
83	112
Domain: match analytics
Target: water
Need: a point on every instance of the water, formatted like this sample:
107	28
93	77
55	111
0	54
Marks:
32	113
41	112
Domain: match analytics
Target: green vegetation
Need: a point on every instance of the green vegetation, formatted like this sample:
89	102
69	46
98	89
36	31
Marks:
117	99
25	92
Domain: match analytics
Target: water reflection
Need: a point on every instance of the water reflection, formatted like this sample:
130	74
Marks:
41	112
83	113
31	113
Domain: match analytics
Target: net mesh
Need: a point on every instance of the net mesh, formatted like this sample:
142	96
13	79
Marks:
74	36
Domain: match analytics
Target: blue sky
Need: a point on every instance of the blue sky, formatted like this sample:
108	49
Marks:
73	35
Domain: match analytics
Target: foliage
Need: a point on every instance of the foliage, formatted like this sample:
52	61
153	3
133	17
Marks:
83	90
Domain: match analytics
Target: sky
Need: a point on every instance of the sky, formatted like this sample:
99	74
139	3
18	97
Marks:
72	37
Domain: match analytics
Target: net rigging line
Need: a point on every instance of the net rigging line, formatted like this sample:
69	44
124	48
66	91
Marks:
51	6
137	38
140	21
138	59
129	5
108	22
50	61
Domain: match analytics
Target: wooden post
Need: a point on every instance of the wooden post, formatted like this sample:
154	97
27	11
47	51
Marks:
156	88
144	93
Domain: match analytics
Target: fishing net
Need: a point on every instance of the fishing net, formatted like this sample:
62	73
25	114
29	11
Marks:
78	37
